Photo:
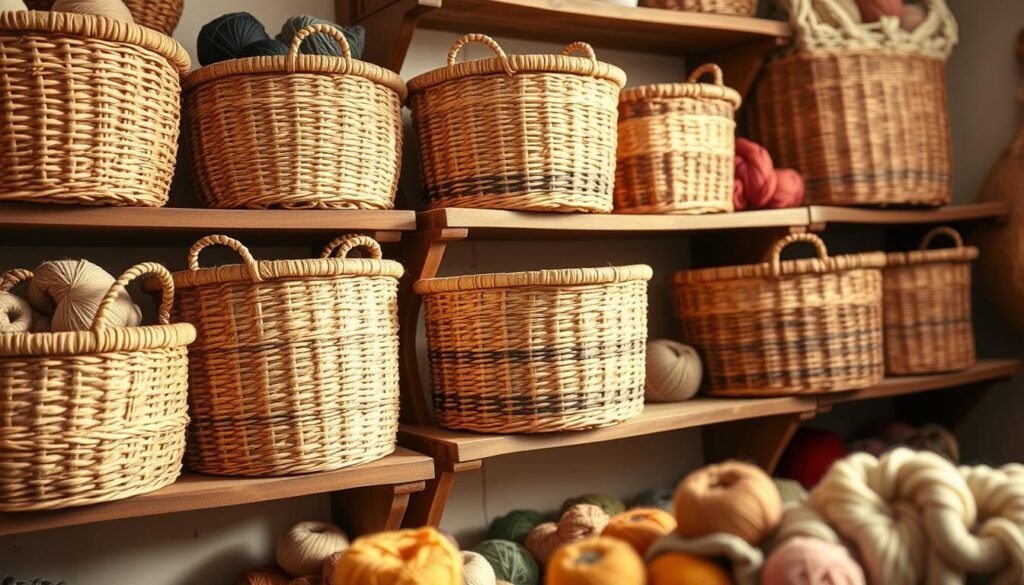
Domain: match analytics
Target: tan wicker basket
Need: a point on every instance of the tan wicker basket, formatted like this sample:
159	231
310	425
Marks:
736	7
526	132
677	147
928	323
296	131
871	102
160	15
295	369
786	326
92	110
92	416
533	352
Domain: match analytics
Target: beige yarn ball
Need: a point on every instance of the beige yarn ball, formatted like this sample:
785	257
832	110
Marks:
266	576
72	290
732	497
582	521
114	9
303	549
543	541
15	314
329	566
674	371
477	570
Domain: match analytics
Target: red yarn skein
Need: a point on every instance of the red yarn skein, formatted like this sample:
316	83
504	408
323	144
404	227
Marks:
873	10
756	173
790	190
810	455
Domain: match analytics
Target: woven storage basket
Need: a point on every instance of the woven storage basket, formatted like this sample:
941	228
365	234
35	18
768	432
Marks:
870	100
737	7
677	147
526	132
91	110
295	368
533	352
296	131
92	416
161	15
928	324
786	326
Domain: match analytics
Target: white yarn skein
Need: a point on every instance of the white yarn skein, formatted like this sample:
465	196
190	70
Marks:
72	290
674	371
15	314
302	550
476	570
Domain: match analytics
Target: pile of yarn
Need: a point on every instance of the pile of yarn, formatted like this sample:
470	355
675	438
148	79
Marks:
114	9
240	34
307	554
579	522
882	437
414	557
759	185
674	371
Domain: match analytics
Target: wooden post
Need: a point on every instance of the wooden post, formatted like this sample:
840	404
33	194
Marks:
426	508
372	509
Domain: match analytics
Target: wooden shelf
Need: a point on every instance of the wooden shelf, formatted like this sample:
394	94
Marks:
201	492
821	215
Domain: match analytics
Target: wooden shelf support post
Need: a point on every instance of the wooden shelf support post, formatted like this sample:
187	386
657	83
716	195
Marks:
426	508
374	508
760	441
389	25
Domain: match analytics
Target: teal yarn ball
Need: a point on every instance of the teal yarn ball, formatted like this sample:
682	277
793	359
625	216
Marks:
515	526
511	561
659	498
319	43
225	37
265	48
610	504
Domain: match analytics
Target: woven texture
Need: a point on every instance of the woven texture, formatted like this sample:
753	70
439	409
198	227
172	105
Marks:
677	147
89	110
296	131
786	327
161	15
928	323
738	7
92	416
525	132
295	369
536	352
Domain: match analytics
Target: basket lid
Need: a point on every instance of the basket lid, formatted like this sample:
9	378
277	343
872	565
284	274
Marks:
587	65
296	62
775	267
97	27
958	253
561	277
252	270
691	89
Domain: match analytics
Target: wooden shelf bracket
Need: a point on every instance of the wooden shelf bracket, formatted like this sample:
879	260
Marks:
389	25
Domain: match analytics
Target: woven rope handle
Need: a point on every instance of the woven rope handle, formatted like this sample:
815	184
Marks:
340	246
713	69
293	51
936	35
775	254
949	232
580	47
13	278
453	53
219	240
120	286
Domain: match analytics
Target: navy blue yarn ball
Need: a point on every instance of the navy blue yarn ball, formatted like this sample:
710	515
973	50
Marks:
319	43
227	37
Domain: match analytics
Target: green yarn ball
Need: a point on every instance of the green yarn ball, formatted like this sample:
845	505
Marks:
610	504
659	498
511	561
319	43
515	526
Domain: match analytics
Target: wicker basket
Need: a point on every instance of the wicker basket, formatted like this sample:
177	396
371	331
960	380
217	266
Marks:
295	369
737	7
677	147
92	416
526	132
296	131
786	327
92	109
928	324
160	15
533	352
871	102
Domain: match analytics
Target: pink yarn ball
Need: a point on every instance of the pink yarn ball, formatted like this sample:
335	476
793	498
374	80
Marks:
790	190
809	561
872	10
754	169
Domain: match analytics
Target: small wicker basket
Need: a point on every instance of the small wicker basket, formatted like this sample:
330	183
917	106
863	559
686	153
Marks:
295	368
92	108
160	15
521	132
92	416
735	7
533	352
786	327
296	131
928	323
677	147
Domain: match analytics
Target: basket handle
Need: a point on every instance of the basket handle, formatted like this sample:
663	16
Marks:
293	51
340	246
713	69
13	278
219	240
580	47
119	286
774	255
464	40
954	235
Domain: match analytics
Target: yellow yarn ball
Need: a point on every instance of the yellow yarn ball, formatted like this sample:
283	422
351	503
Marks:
733	497
265	576
404	557
302	550
72	290
596	561
674	371
684	569
640	527
543	541
114	9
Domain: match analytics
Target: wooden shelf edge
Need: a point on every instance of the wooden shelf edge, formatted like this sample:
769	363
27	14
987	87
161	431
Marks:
822	215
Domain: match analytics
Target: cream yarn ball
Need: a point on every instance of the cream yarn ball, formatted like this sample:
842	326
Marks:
15	314
476	570
72	290
114	9
674	371
303	549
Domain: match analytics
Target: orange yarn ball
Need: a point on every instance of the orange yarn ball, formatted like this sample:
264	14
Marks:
683	569
733	497
410	557
596	561
640	527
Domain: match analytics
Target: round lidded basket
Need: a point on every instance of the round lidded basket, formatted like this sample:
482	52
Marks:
786	327
160	15
734	7
677	147
104	104
295	368
520	132
296	131
541	351
927	313
92	416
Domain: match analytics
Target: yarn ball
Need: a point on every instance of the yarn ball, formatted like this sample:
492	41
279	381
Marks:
912	16
15	314
582	521
510	561
610	504
476	570
809	561
790	490
114	9
320	43
656	498
676	568
674	371
937	439
264	576
410	557
226	37
756	172
330	566
733	497
640	528
515	526
873	10
789	190
870	445
596	561
303	549
543	541
264	48
809	455
71	292
307	580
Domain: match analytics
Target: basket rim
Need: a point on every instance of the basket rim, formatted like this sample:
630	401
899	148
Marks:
961	254
799	267
105	340
707	91
98	28
283	269
536	278
565	64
